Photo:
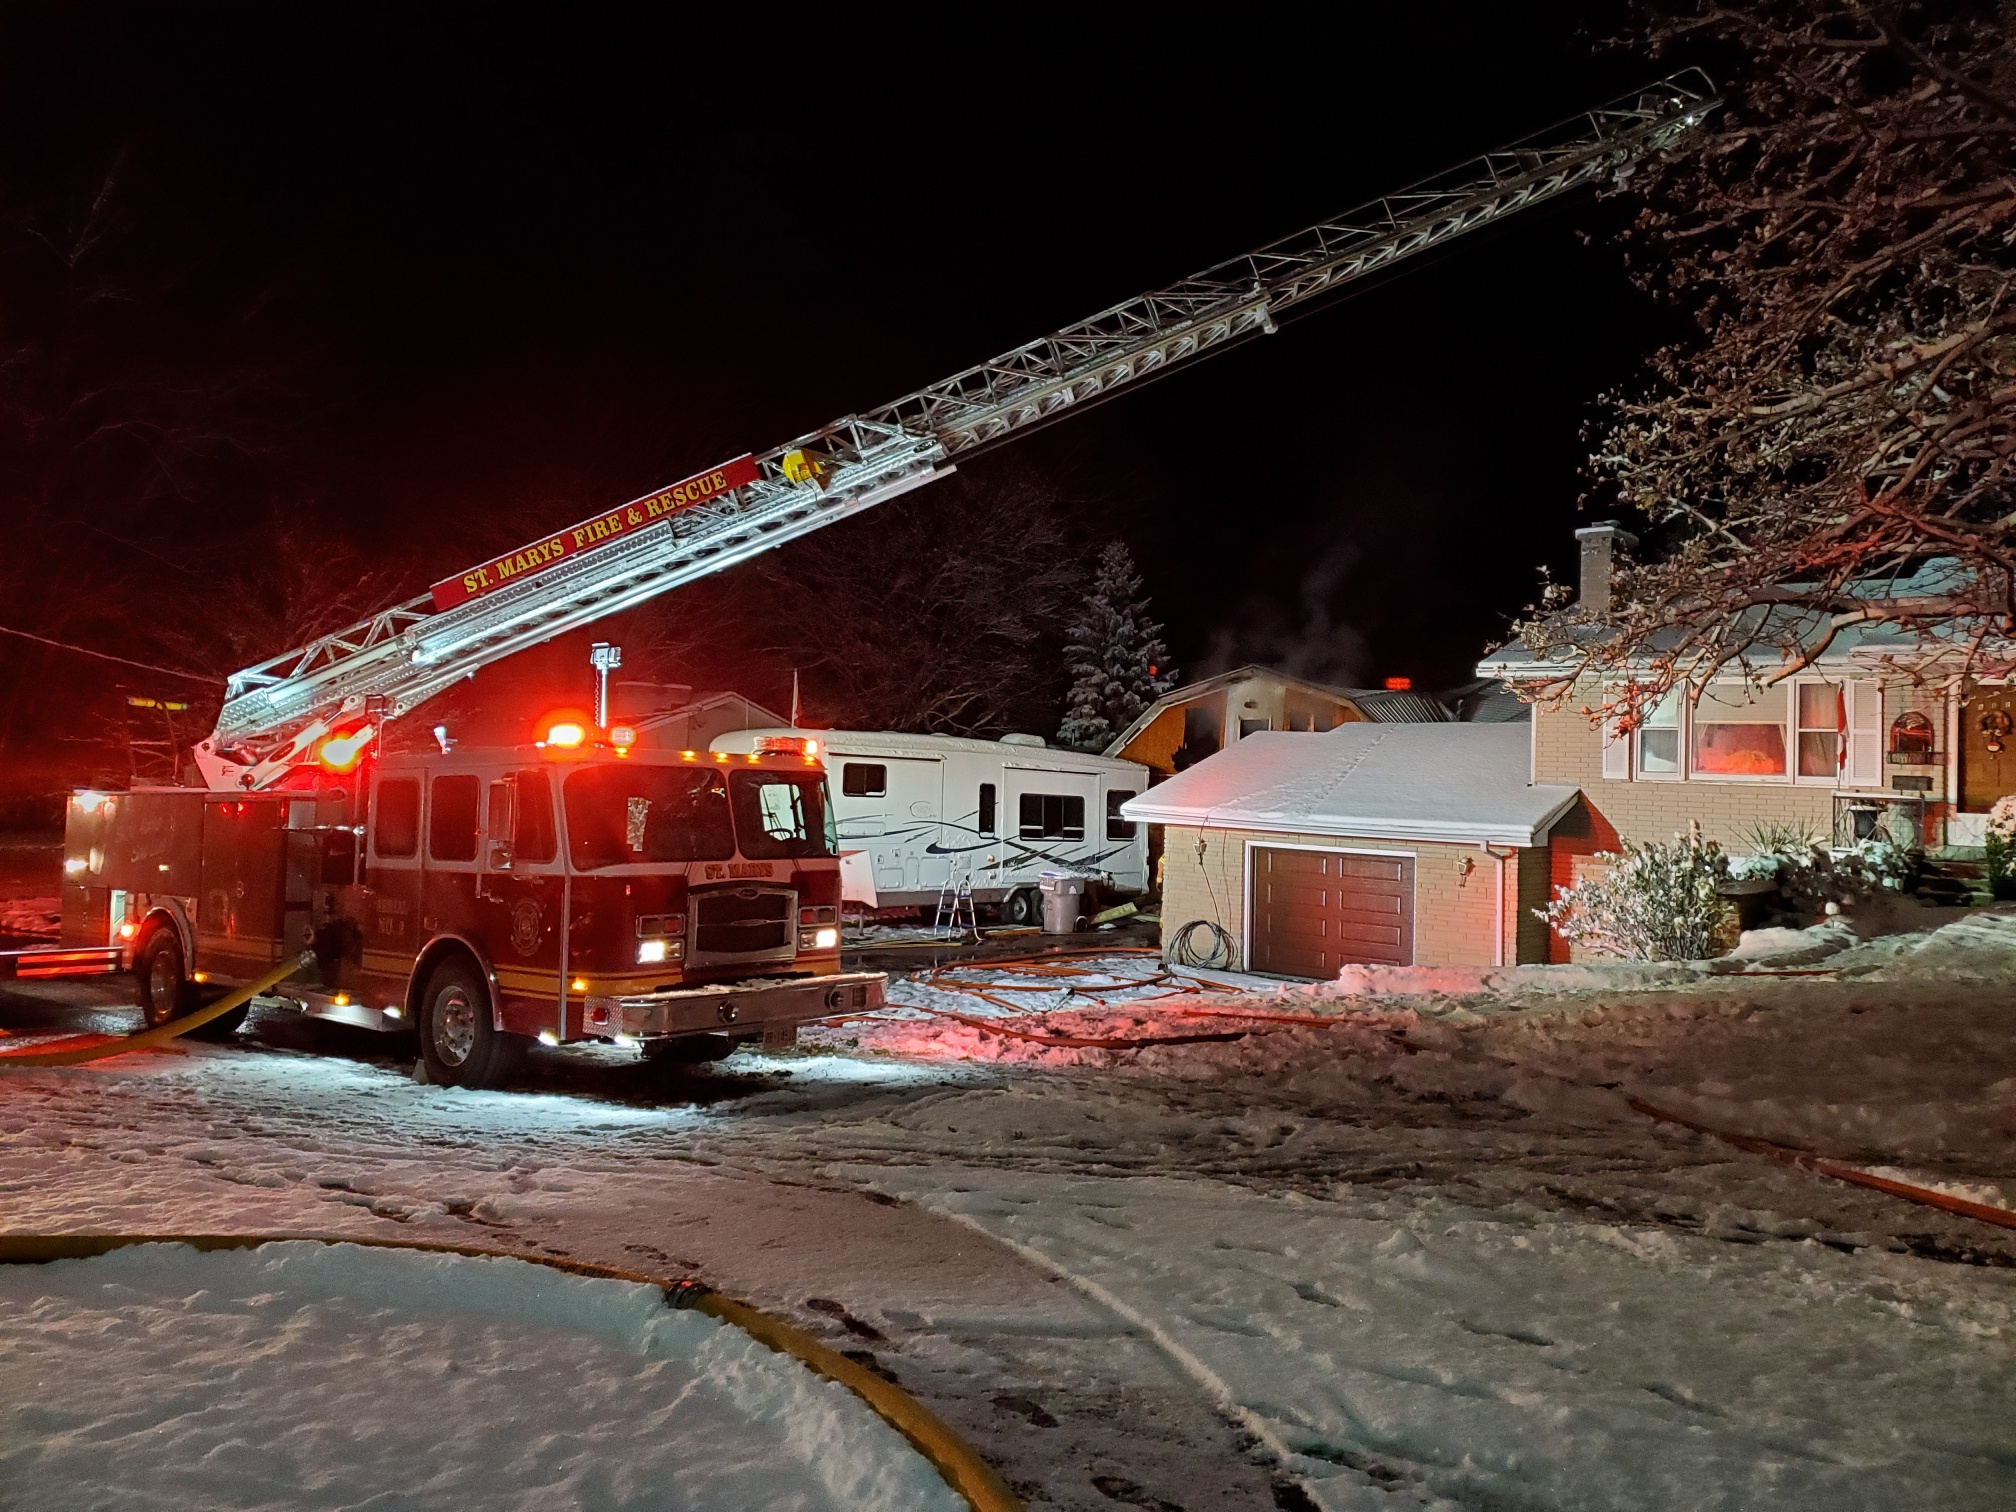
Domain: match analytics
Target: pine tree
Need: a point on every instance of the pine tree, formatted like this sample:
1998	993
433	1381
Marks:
1116	656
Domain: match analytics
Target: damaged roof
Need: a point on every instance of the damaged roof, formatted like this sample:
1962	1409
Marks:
1466	783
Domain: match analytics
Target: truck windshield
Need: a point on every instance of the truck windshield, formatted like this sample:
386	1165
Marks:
627	815
780	815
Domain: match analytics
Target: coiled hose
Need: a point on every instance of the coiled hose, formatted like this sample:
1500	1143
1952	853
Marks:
1182	951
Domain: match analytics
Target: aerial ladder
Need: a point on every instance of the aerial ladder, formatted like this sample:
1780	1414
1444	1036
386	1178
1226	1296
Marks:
330	698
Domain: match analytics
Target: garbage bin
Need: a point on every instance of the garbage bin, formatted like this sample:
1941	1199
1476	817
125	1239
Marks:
1063	901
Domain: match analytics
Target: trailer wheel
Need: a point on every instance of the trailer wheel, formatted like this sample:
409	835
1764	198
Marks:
458	1038
1024	906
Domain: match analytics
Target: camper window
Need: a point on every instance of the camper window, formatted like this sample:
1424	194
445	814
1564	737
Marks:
864	779
1052	816
1118	828
986	822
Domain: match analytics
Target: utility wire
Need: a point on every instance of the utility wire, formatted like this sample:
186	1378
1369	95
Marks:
106	655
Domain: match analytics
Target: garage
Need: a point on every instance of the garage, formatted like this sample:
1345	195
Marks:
1317	910
1366	847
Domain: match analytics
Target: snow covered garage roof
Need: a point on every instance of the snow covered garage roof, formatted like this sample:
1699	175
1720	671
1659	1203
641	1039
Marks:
1462	782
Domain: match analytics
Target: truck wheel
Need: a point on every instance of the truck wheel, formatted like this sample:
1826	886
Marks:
164	988
1025	906
458	1039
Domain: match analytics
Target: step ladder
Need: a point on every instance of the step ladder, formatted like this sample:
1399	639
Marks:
955	910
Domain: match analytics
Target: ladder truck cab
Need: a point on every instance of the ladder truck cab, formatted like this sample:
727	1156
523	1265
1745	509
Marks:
572	889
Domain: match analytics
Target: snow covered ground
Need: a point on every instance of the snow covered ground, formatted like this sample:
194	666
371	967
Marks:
1422	1255
311	1376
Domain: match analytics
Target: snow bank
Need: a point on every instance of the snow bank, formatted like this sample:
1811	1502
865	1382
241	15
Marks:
307	1375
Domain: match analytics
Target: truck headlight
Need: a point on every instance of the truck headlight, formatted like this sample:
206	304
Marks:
649	951
826	939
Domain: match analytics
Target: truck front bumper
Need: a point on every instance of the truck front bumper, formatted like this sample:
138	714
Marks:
734	1007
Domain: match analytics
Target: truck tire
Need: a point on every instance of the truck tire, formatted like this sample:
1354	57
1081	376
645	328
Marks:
459	1040
1024	906
164	990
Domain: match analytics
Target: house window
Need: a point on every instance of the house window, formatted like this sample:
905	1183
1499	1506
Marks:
1118	827
1252	727
864	779
1052	816
1740	732
1659	737
986	821
1823	719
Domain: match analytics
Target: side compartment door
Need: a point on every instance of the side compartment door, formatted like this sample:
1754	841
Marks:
240	907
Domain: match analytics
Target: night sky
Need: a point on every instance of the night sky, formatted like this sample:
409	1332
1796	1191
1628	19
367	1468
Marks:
609	249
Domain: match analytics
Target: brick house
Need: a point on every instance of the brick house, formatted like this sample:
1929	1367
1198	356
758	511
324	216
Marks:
1876	737
1406	844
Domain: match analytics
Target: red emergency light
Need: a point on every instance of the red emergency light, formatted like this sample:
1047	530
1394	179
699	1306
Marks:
565	734
1399	685
340	753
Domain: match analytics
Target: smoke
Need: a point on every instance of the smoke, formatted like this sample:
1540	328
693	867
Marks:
1301	633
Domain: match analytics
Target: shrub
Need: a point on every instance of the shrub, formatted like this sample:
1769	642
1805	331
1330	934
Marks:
1655	903
2002	848
1811	875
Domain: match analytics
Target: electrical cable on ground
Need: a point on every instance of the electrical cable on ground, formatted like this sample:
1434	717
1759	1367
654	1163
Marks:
160	1034
1182	953
951	1456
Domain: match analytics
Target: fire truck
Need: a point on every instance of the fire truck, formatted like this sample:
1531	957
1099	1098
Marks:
576	887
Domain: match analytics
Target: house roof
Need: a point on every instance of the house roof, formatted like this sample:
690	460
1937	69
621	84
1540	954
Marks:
1870	644
696	704
1402	708
1458	782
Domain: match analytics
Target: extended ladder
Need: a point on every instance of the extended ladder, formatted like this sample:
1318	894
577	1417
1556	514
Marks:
275	712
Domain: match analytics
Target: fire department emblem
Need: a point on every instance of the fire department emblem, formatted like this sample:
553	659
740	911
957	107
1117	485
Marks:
525	926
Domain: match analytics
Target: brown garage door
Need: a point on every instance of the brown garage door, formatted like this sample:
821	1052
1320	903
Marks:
1314	911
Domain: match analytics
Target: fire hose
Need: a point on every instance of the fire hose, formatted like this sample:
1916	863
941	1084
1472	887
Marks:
1910	1191
160	1034
951	1456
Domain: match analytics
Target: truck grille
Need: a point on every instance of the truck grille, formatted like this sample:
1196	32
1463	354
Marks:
744	922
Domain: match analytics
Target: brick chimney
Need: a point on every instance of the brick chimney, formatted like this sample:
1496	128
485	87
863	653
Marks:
1600	545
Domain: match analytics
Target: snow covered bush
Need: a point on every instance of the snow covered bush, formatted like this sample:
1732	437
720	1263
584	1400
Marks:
2002	848
1812	875
1655	903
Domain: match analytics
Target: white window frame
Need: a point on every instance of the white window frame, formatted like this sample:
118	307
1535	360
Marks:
1682	733
1626	750
1839	779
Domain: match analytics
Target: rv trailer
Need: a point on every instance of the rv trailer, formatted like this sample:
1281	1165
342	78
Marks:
919	813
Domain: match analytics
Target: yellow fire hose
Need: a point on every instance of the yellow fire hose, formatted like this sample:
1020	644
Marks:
953	1458
161	1033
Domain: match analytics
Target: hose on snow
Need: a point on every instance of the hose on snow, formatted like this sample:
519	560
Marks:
951	1456
160	1034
